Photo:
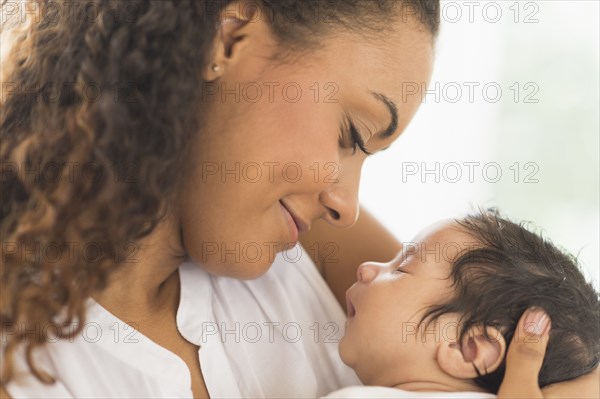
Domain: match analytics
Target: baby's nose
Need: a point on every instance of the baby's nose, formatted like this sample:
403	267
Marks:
368	271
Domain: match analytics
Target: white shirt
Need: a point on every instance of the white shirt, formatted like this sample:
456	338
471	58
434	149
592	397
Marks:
275	336
385	392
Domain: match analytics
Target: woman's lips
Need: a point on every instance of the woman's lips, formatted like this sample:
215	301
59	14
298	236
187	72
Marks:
293	229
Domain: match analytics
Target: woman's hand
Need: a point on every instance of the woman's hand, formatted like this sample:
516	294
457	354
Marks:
524	361
586	386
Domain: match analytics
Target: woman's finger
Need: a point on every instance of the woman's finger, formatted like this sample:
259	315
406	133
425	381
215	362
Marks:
525	356
587	387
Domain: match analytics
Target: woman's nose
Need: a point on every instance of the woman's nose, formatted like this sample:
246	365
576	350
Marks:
342	208
368	271
341	200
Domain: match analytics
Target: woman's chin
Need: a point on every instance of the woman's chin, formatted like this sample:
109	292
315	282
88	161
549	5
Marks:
240	271
240	259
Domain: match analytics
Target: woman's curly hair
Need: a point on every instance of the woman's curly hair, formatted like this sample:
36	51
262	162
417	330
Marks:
100	99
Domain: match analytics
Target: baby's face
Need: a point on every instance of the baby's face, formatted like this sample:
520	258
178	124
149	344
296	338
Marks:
387	302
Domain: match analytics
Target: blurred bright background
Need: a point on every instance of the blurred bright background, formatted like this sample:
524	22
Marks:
511	120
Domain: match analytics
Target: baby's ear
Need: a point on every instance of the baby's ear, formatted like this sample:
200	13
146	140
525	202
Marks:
475	351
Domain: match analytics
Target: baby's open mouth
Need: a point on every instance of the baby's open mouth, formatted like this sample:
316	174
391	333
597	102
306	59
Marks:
350	307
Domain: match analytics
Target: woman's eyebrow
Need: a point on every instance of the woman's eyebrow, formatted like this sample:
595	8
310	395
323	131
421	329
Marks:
393	110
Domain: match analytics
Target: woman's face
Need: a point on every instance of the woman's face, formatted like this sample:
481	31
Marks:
275	152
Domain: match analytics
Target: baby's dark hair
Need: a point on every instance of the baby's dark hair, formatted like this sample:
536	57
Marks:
512	269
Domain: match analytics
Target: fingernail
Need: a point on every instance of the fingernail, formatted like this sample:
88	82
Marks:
536	321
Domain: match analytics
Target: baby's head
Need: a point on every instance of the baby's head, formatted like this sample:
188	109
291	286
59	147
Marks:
441	315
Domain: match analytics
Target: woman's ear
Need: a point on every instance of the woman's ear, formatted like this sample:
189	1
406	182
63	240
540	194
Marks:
240	23
475	351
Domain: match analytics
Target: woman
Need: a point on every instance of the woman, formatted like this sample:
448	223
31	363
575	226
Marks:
171	149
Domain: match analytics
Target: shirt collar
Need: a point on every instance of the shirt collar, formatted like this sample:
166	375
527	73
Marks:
195	301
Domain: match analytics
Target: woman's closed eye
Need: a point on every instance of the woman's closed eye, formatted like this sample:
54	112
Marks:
356	140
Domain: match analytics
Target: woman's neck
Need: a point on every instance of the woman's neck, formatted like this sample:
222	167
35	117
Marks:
147	283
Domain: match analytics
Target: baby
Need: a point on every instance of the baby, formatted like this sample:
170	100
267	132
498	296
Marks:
440	316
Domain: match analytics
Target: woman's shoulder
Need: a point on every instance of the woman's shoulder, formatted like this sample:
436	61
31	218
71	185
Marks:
106	358
24	383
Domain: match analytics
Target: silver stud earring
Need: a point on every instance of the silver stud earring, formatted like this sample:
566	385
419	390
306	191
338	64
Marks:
216	68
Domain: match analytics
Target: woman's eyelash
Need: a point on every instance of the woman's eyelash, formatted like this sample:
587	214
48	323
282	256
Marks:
357	140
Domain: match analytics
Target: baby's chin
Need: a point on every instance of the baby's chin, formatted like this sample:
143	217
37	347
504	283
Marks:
352	360
348	356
